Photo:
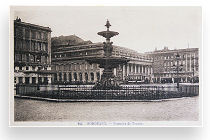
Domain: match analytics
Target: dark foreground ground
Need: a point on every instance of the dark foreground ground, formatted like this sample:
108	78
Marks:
181	109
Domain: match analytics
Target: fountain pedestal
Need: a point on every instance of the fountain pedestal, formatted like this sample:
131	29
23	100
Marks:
108	62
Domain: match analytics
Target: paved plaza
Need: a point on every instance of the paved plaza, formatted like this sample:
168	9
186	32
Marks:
183	109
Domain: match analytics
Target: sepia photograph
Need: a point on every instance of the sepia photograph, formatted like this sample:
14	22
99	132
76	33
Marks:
105	66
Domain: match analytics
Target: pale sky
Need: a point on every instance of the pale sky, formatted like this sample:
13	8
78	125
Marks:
140	28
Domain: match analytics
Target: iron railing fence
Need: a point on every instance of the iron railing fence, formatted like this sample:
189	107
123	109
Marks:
126	93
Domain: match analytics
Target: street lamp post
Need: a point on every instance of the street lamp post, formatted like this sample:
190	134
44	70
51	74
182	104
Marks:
177	68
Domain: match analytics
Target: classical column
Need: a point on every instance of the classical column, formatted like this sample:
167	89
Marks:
115	71
78	78
140	69
135	68
131	68
58	77
62	75
83	76
123	71
127	69
149	70
67	76
95	76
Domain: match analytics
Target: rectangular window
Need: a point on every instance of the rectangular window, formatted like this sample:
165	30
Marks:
55	77
38	59
27	33
33	34
27	57
33	67
27	45
19	44
68	67
33	46
45	36
39	80
24	45
45	80
44	47
27	80
20	79
33	80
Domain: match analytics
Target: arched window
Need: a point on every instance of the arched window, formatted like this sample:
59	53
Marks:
98	76
80	76
60	76
75	76
70	77
86	77
65	77
55	77
92	76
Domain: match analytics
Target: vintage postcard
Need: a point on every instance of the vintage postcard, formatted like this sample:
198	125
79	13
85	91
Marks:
102	66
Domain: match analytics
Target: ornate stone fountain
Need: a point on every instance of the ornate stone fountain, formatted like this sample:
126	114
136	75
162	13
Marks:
108	62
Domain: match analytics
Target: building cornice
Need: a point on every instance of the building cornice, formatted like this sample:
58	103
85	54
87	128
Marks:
34	26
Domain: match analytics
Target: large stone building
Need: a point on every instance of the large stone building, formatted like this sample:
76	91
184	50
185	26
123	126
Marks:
69	54
32	53
165	65
32	60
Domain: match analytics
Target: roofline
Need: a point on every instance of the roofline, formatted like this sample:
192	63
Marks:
76	45
170	51
33	25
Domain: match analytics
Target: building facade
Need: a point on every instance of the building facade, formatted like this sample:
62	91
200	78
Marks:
32	53
166	61
69	63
